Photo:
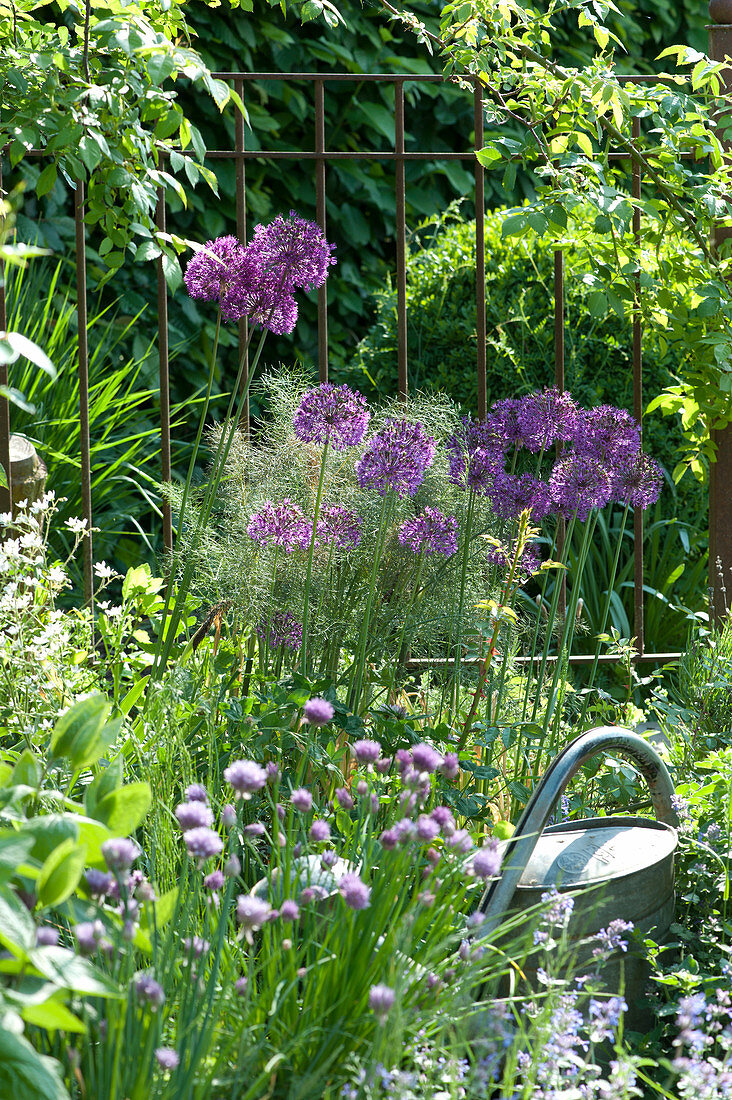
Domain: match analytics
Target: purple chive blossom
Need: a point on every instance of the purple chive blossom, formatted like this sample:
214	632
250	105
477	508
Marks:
426	759
228	816
302	800
289	910
545	418
430	533
196	793
459	841
98	882
255	829
319	831
293	251
215	880
252	912
281	629
46	936
282	525
512	494
606	433
195	946
344	798
246	777
389	839
120	853
474	456
381	1001
578	484
355	893
444	818
450	766
149	991
637	480
339	527
396	458
366	752
487	860
167	1058
332	414
318	712
240	986
612	938
192	815
88	935
427	828
202	843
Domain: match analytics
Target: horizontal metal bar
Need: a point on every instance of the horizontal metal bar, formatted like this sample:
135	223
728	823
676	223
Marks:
577	659
418	78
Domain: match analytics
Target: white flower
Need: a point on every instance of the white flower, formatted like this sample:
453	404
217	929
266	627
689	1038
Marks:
76	526
104	571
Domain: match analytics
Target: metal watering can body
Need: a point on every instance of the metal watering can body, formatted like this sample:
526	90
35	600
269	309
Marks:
623	867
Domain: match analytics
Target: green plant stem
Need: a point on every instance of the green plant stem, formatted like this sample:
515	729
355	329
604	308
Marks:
309	574
356	685
461	601
535	637
552	615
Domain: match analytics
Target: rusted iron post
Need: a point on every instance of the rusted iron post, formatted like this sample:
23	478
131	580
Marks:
320	204
5	493
241	232
85	445
480	326
401	237
638	594
720	476
164	378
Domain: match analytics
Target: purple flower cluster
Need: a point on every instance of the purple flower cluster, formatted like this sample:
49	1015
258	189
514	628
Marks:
430	533
318	712
332	414
528	564
339	527
281	629
282	525
397	458
258	280
474	455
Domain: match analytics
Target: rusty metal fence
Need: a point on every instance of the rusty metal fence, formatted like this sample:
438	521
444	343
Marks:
321	156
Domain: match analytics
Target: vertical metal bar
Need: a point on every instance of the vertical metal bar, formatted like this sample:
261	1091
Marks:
638	601
6	494
401	237
164	377
480	254
241	232
720	471
84	442
559	382
320	215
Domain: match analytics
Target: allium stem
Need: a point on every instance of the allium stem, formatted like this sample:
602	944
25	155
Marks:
457	667
360	659
550	621
309	574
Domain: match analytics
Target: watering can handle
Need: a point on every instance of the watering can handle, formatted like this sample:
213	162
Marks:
497	897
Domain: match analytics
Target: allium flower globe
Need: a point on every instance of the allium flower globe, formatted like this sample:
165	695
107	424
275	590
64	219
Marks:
318	712
280	525
203	843
332	414
281	629
293	251
397	458
355	893
246	777
430	533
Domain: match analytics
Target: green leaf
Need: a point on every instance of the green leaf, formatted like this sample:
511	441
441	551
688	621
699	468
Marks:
60	873
13	346
27	1075
513	224
53	1016
123	810
15	849
159	67
108	780
89	152
77	735
27	770
164	909
72	972
172	272
48	832
17	928
46	180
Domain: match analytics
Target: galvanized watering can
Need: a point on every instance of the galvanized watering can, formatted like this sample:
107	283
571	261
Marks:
626	864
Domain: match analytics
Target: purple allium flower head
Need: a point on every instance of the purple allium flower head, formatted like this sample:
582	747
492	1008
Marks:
88	935
327	859
282	525
636	480
355	893
545	418
487	860
167	1058
98	882
215	880
318	712
396	458
283	630
389	839
344	798
339	527
245	776
240	986
366	752
149	991
430	533
450	766
474	455
195	792
270	304
332	414
120	853
302	800
252	912
426	759
228	816
444	818
427	828
293	251
512	494
256	828
46	936
381	1001
578	484
192	815
289	910
606	433
223	271
202	843
319	831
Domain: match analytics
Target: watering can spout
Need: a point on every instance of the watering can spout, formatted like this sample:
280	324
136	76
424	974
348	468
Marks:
631	746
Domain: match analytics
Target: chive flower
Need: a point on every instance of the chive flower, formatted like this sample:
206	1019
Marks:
397	458
318	712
